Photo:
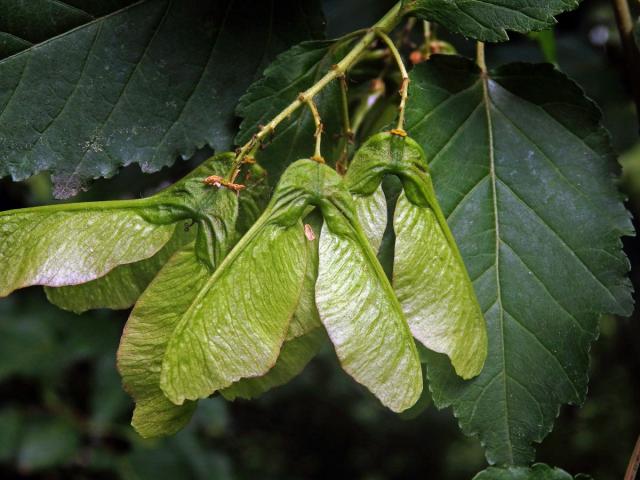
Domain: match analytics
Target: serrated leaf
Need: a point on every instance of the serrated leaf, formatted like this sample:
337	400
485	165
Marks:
237	323
363	318
489	20
539	471
145	83
121	287
291	73
523	171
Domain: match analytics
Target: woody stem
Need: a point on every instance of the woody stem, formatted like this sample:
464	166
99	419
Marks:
385	24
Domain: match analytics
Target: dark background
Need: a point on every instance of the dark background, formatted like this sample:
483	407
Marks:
63	414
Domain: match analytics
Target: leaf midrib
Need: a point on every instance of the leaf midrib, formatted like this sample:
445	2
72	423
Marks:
484	77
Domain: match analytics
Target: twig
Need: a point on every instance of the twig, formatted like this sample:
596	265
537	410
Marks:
404	87
480	60
387	23
317	156
625	27
344	100
634	463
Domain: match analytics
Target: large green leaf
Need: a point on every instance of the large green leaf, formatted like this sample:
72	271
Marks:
237	323
25	24
363	317
140	83
291	73
489	20
523	171
539	471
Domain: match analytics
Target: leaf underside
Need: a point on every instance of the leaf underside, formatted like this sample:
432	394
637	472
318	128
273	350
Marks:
489	20
523	171
135	82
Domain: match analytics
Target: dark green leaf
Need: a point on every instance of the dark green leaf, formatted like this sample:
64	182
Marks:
523	171
489	20
143	84
291	73
538	471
